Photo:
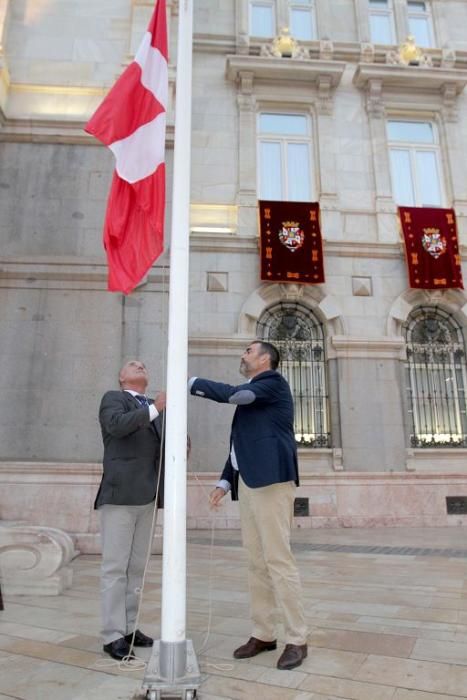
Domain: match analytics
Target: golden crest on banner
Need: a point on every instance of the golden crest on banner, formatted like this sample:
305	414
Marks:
433	242
291	235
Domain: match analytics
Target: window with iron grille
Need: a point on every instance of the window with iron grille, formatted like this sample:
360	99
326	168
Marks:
299	337
436	379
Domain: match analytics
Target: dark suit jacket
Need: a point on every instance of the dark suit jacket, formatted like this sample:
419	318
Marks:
132	446
262	429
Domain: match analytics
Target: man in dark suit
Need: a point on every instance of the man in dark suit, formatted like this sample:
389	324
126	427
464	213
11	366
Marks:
261	471
131	431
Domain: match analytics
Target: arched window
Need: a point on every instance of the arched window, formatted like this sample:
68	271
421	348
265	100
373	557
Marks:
299	337
436	379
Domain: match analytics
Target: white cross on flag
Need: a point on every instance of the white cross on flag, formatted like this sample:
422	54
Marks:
131	122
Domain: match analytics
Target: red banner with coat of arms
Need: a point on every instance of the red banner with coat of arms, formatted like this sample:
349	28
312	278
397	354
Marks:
432	248
291	245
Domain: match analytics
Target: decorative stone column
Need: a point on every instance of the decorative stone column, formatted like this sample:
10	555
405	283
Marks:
246	198
35	560
329	204
363	24
440	23
401	20
242	29
4	75
453	132
385	207
371	405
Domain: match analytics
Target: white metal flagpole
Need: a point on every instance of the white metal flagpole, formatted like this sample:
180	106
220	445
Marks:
173	666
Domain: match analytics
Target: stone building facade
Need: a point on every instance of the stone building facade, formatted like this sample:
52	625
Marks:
341	121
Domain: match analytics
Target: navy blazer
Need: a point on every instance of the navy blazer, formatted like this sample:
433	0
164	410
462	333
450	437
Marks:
262	429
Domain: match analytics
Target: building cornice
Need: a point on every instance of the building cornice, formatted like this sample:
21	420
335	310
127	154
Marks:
350	347
68	272
312	71
69	132
215	345
17	472
413	78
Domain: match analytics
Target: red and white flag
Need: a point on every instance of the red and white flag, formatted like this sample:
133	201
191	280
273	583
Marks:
131	122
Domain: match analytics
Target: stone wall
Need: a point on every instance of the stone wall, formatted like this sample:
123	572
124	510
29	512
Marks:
63	336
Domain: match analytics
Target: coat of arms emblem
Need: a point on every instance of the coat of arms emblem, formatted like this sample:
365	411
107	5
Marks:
291	235
433	242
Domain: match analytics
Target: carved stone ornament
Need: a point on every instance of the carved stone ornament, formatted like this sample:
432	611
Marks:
292	292
367	53
448	58
245	82
284	46
325	102
374	98
450	110
409	54
326	50
35	560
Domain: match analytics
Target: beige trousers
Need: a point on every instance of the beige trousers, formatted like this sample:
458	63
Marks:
266	519
125	532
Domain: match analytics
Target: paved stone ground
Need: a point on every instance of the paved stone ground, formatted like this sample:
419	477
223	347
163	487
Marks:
387	611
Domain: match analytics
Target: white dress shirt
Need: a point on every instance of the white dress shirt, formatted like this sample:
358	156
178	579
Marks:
153	412
222	483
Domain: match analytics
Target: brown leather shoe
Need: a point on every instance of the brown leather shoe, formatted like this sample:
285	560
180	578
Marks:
292	656
253	647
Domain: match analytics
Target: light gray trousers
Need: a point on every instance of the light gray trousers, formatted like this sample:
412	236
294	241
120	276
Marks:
125	532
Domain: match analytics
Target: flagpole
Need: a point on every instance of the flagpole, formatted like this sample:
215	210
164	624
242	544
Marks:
173	665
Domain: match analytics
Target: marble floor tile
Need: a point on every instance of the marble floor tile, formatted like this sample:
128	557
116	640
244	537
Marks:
382	627
282	679
244	670
434	650
47	651
330	662
345	688
415	675
364	642
244	690
402	694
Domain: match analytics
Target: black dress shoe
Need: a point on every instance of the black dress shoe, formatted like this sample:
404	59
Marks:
118	649
292	656
253	647
141	640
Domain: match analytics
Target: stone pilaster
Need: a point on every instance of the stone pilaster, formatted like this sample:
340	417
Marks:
401	20
242	33
385	207
363	25
247	155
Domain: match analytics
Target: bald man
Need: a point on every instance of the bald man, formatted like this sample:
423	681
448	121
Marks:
131	427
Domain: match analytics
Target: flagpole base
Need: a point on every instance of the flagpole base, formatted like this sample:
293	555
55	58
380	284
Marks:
172	671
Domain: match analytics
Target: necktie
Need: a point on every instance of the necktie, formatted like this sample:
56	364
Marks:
144	402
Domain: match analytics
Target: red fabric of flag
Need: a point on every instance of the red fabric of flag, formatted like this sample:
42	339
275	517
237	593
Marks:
432	249
131	122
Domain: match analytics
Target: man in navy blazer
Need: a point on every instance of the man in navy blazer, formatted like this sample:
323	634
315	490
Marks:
262	472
